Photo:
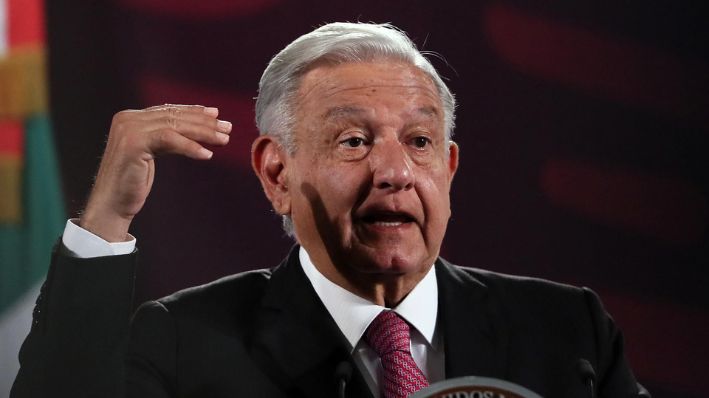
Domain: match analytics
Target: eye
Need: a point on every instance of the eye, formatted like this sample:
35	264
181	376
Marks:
421	142
353	142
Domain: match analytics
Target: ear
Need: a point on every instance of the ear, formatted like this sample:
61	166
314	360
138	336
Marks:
268	160
453	152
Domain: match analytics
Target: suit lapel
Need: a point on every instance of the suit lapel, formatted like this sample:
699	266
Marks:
298	344
474	339
295	339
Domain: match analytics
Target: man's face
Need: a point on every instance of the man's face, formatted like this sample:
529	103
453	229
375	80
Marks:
370	179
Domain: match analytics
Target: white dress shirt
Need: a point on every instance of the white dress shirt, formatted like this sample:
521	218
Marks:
83	244
351	313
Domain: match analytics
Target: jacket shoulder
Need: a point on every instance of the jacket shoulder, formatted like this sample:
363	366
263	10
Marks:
512	284
224	300
248	284
533	299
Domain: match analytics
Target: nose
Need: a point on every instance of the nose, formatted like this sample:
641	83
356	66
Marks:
392	167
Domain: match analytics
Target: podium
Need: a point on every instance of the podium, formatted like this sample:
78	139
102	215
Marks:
474	387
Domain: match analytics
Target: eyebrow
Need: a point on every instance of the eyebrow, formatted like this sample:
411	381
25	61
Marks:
429	111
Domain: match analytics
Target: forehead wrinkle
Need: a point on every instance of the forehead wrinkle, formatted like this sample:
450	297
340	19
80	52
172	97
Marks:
325	82
335	89
326	85
344	111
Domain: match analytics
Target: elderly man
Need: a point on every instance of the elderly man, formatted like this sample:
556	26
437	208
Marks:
355	153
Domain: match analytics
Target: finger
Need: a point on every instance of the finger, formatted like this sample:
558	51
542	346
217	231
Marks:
173	117
144	122
197	109
170	142
194	131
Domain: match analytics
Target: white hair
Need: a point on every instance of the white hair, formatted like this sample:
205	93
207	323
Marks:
334	43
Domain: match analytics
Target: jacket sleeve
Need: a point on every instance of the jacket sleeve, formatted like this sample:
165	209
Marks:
612	371
79	330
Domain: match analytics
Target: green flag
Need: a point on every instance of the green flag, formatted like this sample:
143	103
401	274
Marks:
31	204
25	247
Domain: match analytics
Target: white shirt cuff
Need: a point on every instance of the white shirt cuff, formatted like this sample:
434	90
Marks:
83	244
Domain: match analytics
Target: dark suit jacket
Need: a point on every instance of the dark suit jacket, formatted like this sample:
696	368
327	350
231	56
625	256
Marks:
267	334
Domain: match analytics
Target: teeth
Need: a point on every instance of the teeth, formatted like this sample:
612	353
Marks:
388	223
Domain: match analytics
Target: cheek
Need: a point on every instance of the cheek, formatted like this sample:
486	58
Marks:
434	178
340	187
434	191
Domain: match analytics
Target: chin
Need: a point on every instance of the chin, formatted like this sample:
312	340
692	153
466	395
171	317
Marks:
395	263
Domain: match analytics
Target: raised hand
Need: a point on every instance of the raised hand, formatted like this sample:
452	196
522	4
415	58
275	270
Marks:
127	168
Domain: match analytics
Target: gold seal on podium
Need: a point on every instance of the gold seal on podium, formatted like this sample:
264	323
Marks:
475	387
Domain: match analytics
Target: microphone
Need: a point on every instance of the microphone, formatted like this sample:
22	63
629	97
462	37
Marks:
343	374
588	375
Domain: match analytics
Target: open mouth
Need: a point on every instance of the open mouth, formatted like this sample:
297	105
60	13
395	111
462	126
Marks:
387	219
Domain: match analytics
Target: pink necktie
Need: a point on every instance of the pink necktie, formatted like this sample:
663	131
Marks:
388	335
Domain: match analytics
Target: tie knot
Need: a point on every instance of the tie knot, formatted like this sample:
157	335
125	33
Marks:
388	332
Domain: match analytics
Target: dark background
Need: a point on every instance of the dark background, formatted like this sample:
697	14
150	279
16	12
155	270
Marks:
582	125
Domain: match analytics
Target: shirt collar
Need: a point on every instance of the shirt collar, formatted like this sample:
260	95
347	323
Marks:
353	314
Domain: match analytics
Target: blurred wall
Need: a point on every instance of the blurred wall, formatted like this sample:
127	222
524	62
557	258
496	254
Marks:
582	126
